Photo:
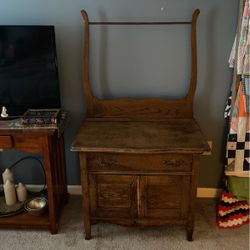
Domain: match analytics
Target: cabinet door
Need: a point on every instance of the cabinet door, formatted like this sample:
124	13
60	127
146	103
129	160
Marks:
164	197
112	196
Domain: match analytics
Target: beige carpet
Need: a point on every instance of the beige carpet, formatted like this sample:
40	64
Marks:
112	237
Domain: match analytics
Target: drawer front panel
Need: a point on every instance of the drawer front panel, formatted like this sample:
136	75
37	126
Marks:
29	143
131	162
6	141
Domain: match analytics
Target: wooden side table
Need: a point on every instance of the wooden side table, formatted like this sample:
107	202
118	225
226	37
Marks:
49	142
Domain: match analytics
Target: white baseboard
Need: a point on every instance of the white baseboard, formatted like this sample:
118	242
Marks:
208	192
77	190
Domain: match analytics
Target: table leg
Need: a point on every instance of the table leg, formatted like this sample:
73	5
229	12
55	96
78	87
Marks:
62	167
190	234
48	162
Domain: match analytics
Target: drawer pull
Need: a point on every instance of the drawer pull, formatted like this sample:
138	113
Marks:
172	163
106	163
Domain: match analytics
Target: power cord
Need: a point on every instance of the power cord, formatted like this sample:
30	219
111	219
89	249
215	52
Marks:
41	165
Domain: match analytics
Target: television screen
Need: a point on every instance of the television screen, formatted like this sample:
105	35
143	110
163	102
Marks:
28	69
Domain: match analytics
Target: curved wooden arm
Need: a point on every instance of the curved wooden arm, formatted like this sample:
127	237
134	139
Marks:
148	108
86	85
193	81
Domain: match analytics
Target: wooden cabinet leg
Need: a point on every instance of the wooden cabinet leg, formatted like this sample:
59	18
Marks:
87	231
190	234
85	196
190	227
193	193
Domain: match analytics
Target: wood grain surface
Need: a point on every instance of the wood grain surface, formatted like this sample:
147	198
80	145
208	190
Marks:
140	137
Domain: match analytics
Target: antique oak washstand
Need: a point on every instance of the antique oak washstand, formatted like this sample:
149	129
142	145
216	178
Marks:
139	159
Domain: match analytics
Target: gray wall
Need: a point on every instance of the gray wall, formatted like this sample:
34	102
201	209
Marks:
136	62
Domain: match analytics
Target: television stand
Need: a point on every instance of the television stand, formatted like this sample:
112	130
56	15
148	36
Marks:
46	140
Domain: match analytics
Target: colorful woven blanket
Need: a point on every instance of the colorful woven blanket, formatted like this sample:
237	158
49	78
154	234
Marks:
232	212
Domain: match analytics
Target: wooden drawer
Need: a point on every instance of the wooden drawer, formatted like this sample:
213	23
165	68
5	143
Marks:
32	144
6	141
132	162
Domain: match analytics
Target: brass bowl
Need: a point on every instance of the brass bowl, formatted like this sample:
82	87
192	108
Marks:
36	206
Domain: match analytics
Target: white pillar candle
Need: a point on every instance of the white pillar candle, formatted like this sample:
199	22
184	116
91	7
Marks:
21	192
7	175
9	192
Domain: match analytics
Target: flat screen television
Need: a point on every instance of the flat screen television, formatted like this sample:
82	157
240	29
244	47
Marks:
28	69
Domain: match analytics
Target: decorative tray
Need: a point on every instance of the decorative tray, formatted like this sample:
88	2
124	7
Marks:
41	117
18	207
6	210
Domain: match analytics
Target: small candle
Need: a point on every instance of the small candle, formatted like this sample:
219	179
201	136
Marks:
9	193
21	191
7	175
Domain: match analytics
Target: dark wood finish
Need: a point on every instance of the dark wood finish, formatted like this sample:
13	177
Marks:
139	159
164	197
112	196
6	142
25	221
61	164
173	136
29	143
101	162
49	143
